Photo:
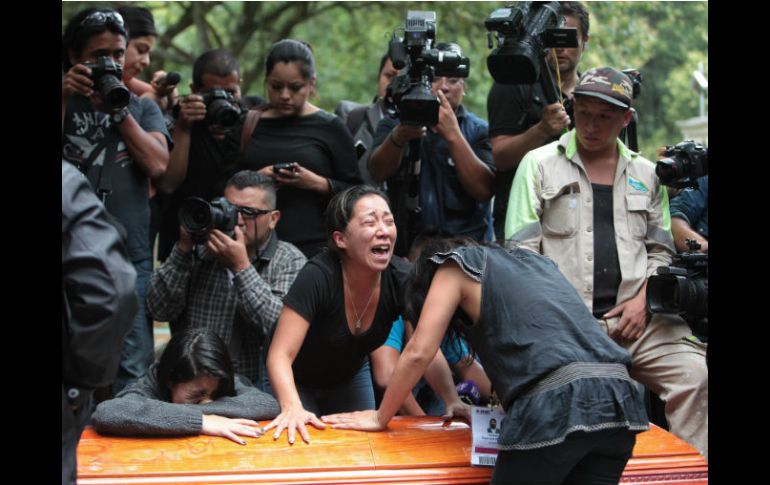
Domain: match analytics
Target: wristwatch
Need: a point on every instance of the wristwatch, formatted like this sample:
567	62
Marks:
119	116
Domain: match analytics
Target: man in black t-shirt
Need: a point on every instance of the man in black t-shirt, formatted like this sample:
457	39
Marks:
519	119
196	167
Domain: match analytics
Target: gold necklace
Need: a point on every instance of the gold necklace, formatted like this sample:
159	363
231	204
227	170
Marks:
353	304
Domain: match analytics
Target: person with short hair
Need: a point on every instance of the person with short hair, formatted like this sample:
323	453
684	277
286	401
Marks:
456	170
519	118
233	286
118	148
601	213
191	390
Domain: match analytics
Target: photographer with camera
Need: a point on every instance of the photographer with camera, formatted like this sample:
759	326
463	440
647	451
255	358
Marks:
456	173
601	213
197	165
232	285
690	216
520	119
119	141
362	120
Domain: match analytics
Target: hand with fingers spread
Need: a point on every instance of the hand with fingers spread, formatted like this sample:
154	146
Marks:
292	420
358	420
231	253
230	428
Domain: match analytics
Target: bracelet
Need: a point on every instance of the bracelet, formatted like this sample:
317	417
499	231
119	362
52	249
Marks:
393	139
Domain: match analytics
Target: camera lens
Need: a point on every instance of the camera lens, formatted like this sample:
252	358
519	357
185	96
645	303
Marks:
114	94
195	215
222	113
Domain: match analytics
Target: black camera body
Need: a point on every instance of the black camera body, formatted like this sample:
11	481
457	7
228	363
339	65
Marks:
524	34
686	162
682	288
409	95
198	217
107	76
221	108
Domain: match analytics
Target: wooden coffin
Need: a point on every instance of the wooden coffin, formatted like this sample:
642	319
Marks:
413	450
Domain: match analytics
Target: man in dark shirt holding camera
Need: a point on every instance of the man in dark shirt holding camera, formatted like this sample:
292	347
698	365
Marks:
519	119
197	167
456	175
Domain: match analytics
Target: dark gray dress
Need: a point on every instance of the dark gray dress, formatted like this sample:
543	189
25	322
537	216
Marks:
553	367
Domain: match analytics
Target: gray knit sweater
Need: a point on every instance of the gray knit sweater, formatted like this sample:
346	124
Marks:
139	409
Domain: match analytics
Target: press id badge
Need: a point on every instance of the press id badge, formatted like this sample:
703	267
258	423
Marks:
485	430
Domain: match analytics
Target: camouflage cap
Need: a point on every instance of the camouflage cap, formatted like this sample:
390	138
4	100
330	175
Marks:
607	84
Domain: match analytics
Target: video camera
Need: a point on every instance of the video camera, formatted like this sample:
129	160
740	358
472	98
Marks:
409	95
683	288
107	76
686	162
198	217
524	35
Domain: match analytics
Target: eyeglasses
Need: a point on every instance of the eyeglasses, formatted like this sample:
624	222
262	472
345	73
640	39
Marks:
251	212
102	18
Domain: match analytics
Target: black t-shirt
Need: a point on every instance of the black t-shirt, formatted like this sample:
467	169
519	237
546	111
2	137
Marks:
330	354
205	178
511	110
319	142
606	265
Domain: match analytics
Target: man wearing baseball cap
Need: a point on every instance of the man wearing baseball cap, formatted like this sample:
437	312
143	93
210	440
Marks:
599	211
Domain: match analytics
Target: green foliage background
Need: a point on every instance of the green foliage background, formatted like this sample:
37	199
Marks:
664	40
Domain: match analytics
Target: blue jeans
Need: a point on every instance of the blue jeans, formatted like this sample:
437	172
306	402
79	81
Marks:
138	347
354	395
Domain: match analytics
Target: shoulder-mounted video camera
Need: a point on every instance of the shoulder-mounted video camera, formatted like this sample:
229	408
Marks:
684	164
198	217
409	95
524	34
107	76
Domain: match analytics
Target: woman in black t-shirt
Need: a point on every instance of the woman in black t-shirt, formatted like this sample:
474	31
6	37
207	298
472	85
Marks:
337	313
313	146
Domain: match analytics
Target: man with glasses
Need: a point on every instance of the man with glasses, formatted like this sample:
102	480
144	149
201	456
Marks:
120	142
457	174
232	286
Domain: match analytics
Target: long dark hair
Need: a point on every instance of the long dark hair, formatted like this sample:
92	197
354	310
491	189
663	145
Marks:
419	281
194	353
288	51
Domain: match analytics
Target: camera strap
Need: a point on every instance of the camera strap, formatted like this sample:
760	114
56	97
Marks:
104	184
249	124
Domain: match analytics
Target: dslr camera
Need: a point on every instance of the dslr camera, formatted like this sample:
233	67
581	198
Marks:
107	76
198	217
221	108
409	95
685	163
524	34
